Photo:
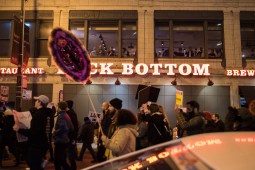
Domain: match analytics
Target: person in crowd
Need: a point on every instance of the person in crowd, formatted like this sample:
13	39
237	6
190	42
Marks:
218	123
209	123
49	127
111	52
114	106
100	51
9	135
87	135
156	125
246	120
62	134
125	52
142	138
72	150
230	118
105	123
195	123
93	52
168	127
123	140
37	139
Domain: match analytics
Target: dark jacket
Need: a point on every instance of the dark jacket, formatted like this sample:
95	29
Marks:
156	128
63	128
73	116
86	133
37	133
106	122
195	125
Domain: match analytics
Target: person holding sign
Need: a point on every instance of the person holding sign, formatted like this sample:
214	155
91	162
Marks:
195	122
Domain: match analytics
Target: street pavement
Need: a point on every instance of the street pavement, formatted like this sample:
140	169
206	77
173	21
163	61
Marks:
9	164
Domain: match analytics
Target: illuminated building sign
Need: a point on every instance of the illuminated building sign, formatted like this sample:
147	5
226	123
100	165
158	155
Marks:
25	71
154	69
240	73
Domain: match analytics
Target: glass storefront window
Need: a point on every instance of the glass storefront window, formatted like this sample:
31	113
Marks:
248	39
5	34
188	38
129	39
103	38
215	40
162	39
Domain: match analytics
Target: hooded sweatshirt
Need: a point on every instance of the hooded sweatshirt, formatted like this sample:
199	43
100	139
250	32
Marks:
123	141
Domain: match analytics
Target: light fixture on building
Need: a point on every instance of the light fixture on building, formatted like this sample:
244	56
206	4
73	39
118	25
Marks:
162	43
210	82
89	81
174	82
117	82
181	43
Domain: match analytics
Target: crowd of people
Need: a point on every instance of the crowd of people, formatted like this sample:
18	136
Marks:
56	130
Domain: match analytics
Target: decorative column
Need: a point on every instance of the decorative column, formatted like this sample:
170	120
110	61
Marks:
55	92
146	36
234	94
232	39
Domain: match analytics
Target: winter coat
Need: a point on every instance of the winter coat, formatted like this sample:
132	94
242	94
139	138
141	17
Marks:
195	125
156	128
73	116
122	142
37	133
86	133
63	128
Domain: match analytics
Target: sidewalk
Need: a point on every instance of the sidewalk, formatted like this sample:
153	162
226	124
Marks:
9	164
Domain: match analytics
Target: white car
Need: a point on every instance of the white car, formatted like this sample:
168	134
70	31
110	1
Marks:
224	151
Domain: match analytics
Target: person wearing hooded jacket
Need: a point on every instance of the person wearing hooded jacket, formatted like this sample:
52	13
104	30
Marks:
123	140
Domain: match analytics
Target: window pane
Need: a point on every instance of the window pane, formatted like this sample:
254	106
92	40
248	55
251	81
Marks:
215	47
43	48
5	29
129	39
162	39
248	40
32	34
103	38
188	39
45	29
77	28
4	50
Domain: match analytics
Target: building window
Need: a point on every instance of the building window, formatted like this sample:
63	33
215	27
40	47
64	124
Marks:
215	41
39	33
162	39
5	36
129	39
188	39
248	39
191	34
103	38
106	33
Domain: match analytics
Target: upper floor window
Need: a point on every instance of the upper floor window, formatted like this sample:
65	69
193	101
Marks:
192	34
39	32
106	33
5	36
40	25
247	34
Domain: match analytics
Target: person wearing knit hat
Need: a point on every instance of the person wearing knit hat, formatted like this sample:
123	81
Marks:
116	103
